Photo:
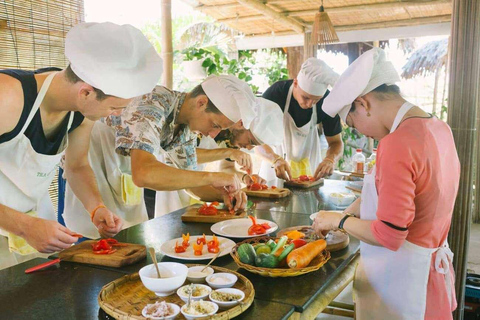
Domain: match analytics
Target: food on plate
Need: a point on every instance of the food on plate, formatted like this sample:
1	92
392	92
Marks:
202	240
197	291
246	253
198	249
186	240
198	308
213	245
179	249
158	309
225	296
258	229
105	246
208	209
301	257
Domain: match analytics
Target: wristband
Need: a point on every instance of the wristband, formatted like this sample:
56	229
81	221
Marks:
92	214
340	225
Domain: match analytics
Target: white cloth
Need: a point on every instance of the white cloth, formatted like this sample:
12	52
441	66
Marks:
108	167
267	126
119	60
366	73
315	76
298	144
232	96
25	176
393	284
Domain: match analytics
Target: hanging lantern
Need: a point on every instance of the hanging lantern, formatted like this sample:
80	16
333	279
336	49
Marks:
323	32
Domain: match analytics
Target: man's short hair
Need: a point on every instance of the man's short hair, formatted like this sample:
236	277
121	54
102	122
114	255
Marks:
197	91
73	78
383	92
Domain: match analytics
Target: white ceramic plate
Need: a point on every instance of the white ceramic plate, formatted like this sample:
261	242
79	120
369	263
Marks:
168	248
238	228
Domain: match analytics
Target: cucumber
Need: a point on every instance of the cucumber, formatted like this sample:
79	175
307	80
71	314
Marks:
246	253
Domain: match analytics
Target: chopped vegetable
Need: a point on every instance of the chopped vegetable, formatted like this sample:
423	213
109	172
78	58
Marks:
295	234
257	228
301	257
202	240
263	249
198	249
246	253
179	249
299	243
186	239
208	210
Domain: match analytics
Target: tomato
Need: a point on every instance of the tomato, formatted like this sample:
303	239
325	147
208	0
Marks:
303	178
208	210
273	187
256	187
179	249
264	187
213	249
101	245
202	240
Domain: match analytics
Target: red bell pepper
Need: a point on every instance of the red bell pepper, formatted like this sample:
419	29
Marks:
202	240
179	249
299	243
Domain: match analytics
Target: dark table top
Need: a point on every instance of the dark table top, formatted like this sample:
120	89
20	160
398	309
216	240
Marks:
72	293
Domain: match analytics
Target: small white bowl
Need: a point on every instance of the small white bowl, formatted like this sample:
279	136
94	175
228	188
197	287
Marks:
191	316
228	304
230	280
184	297
176	311
341	199
195	276
173	276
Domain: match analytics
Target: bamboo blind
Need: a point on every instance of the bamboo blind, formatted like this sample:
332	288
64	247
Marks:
32	33
464	102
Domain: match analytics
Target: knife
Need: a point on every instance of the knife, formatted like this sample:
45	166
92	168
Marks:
42	266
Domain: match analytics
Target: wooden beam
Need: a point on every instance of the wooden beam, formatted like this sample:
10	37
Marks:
281	18
167	46
3	24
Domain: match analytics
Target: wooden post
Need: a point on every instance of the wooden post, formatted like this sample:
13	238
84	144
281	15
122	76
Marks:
309	49
353	52
294	60
463	104
167	46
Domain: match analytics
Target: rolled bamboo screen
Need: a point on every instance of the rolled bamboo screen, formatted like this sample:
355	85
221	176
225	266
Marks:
464	101
32	33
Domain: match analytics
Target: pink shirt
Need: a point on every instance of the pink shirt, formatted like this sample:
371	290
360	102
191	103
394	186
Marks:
417	180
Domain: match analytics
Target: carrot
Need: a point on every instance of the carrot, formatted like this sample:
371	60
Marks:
301	257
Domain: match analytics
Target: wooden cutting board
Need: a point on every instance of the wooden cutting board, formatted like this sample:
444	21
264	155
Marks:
191	215
83	253
336	240
268	193
303	184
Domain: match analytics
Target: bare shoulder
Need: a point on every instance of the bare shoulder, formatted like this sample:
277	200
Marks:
11	103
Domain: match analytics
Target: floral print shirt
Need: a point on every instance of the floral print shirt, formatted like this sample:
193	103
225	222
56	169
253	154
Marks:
148	124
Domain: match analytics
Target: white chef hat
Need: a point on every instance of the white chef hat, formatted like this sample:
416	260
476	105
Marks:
116	59
267	126
366	73
315	76
232	96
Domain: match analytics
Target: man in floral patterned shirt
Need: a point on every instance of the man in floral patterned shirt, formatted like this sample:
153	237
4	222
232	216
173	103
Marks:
154	140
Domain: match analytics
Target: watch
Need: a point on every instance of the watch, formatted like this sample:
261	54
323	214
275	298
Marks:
340	225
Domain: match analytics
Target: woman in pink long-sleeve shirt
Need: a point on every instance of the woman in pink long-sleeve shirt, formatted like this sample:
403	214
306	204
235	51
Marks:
405	269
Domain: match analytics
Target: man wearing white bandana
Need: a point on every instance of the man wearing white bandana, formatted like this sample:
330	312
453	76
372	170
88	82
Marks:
405	211
49	112
301	101
152	145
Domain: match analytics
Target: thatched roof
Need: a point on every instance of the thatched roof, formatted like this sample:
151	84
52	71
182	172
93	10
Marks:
427	59
255	17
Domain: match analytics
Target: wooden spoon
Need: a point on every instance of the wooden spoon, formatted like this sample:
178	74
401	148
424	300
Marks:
154	259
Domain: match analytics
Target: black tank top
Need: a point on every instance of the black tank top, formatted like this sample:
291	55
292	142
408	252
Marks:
34	131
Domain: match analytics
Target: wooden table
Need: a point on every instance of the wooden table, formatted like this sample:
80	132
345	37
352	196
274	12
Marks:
70	290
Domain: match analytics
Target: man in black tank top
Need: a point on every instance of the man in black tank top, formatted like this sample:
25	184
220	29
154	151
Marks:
47	111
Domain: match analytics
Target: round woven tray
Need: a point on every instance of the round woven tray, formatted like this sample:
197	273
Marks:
126	297
316	263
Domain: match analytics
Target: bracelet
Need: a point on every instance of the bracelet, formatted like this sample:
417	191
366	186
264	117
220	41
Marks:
243	177
329	160
340	225
92	214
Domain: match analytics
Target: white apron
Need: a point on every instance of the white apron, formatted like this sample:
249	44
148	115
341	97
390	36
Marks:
301	146
393	284
25	176
108	167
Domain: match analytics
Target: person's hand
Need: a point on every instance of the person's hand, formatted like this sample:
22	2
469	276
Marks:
256	178
48	236
282	169
325	168
325	221
108	224
226	182
236	201
243	159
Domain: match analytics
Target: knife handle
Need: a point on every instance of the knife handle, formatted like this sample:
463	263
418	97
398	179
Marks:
42	266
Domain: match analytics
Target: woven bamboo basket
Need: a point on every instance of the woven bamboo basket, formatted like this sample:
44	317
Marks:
126	297
316	263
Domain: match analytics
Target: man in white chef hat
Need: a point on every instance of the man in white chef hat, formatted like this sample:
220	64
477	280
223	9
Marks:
301	101
109	65
152	144
406	207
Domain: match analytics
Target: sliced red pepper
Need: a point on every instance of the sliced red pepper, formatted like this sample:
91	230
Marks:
256	187
274	187
264	187
202	240
213	249
257	228
299	243
111	240
179	249
214	203
214	242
